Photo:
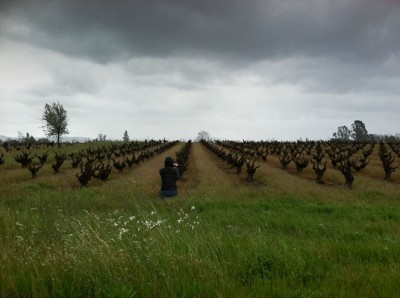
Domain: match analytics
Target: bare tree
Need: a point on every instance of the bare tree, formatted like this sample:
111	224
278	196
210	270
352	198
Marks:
203	136
56	121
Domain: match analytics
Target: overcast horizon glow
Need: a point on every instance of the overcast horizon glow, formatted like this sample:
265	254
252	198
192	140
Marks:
261	70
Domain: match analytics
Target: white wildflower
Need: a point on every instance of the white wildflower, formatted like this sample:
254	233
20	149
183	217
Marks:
123	231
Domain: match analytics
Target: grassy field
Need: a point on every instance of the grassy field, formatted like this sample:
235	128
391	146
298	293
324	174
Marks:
282	235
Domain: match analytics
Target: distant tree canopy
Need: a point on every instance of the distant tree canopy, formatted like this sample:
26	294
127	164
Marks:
56	121
28	139
385	138
125	138
343	133
203	136
357	133
101	137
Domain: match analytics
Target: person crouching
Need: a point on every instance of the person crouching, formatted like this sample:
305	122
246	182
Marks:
169	175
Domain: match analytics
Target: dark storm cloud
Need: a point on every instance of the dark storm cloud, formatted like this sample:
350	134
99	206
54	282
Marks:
238	30
293	62
344	45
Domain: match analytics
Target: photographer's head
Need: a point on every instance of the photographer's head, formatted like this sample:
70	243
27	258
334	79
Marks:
169	162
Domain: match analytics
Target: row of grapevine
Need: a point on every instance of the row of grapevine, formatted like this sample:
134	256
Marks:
344	156
235	158
90	162
182	158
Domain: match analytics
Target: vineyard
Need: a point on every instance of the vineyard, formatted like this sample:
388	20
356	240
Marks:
260	219
328	163
346	158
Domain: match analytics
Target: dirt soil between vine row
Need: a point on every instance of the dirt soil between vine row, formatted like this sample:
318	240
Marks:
205	172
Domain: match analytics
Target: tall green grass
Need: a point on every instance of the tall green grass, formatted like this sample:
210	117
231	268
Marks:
87	242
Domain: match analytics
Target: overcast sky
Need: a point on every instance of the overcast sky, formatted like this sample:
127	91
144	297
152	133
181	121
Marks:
266	69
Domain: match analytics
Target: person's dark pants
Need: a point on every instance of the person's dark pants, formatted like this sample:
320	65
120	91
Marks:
166	193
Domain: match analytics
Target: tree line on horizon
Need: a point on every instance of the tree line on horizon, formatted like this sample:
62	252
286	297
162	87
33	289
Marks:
56	123
359	133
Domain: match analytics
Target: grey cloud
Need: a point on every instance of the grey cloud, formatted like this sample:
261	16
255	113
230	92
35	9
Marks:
238	30
178	72
332	46
322	75
65	84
